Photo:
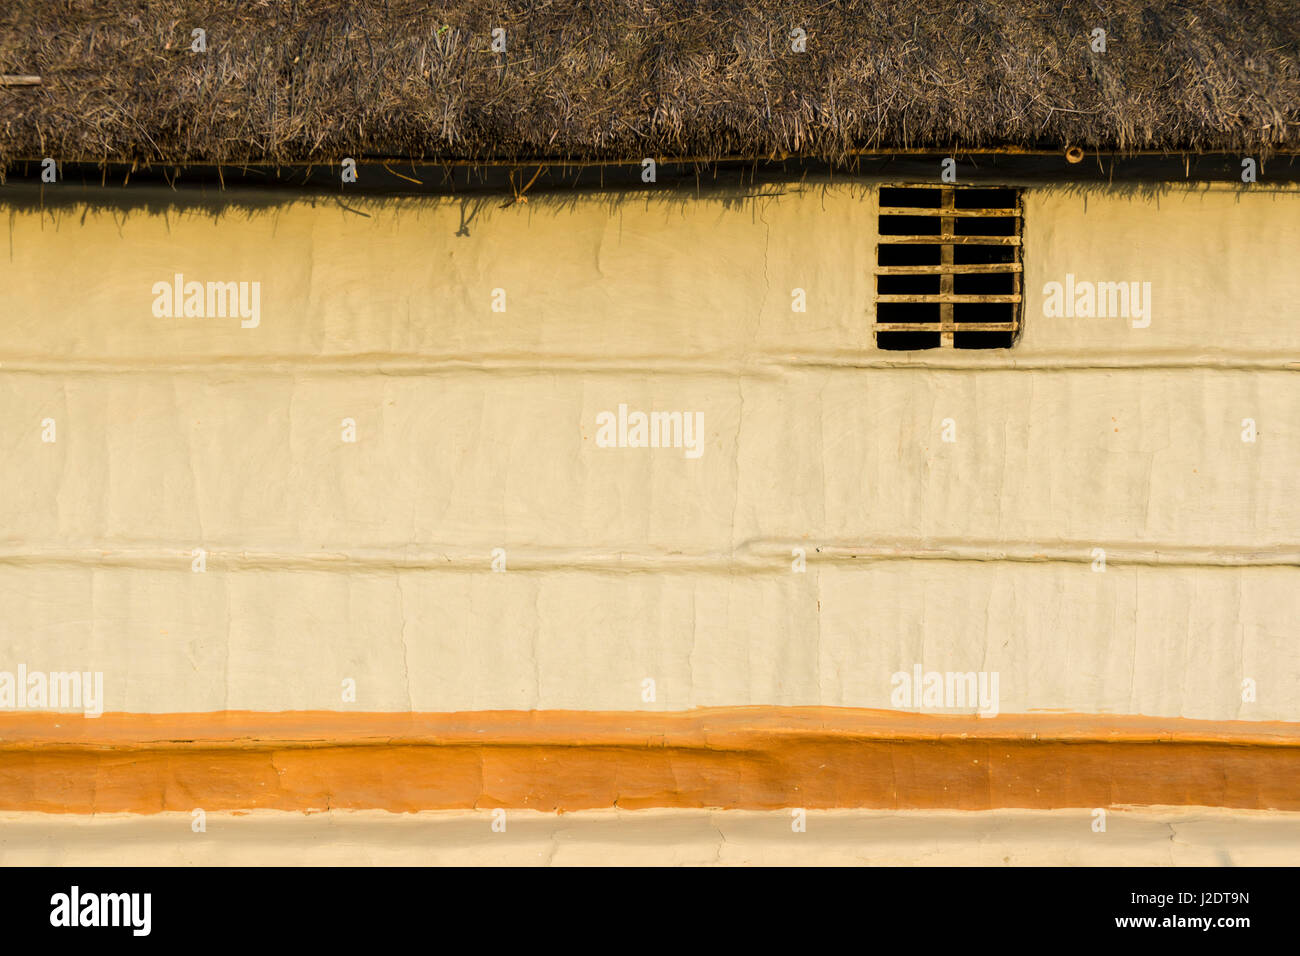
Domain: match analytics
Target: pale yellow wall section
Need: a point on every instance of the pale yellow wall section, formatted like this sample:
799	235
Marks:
1134	837
476	430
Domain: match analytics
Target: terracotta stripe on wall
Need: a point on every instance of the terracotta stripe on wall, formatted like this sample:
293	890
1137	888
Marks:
744	757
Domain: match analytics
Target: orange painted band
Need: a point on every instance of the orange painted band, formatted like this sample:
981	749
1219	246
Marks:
742	757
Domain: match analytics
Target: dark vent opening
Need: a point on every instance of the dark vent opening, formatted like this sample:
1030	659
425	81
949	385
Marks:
920	255
986	198
979	312
983	340
907	285
904	196
909	225
890	312
980	255
907	341
948	268
993	283
985	226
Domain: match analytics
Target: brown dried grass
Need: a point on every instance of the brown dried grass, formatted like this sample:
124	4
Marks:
589	80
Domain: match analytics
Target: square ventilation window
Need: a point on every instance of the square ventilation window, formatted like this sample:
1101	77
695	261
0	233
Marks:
948	267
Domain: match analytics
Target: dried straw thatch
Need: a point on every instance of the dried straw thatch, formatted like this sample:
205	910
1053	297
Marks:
315	80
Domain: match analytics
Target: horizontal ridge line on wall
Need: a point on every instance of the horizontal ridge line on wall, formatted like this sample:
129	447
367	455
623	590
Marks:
767	556
761	365
696	727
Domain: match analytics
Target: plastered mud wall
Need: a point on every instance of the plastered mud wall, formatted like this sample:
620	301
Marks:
201	530
476	430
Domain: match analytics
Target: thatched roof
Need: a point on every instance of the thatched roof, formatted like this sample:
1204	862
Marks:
287	81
